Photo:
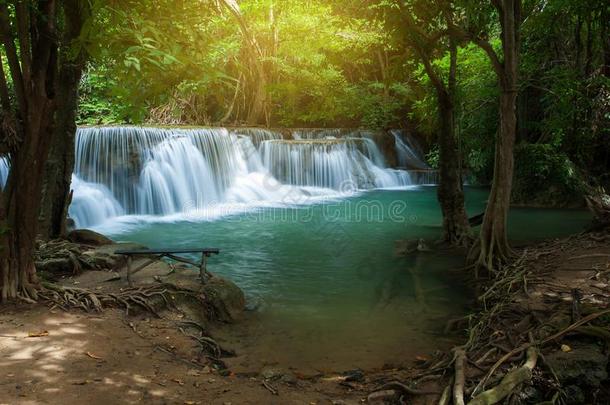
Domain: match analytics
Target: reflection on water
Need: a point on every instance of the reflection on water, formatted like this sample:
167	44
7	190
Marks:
329	292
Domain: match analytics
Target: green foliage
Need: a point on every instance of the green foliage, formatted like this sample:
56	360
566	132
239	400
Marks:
545	176
190	63
346	64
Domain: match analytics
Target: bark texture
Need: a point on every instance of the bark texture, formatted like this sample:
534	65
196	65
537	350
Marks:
493	246
456	228
34	74
60	164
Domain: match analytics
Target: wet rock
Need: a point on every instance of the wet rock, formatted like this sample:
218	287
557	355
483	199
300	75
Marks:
88	237
226	297
585	365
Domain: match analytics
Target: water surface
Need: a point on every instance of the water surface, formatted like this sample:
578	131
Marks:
329	292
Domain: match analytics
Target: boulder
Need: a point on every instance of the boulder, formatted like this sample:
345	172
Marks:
88	237
226	298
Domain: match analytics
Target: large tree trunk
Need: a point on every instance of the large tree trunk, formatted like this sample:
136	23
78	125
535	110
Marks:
494	246
35	82
456	229
60	163
494	240
21	204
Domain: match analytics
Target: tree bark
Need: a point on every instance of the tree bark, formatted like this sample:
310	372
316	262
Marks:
21	199
494	247
456	228
60	163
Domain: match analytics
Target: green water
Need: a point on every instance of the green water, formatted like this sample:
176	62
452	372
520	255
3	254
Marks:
328	290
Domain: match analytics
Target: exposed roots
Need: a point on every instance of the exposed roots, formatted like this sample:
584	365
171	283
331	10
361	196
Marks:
506	337
149	298
208	346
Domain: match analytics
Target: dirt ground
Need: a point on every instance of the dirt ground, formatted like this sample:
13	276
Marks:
110	359
58	357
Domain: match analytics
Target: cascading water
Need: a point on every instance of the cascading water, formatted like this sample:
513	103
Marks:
339	164
157	171
92	203
3	171
408	152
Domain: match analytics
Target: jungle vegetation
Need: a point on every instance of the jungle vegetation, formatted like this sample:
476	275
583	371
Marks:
513	92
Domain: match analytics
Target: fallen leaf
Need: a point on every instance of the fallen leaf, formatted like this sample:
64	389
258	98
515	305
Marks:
179	382
38	334
566	348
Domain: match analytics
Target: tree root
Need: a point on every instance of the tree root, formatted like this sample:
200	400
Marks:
458	385
395	385
508	384
506	338
95	301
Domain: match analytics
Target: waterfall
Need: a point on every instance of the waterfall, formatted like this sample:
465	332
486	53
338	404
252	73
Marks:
3	171
408	152
164	171
92	203
338	164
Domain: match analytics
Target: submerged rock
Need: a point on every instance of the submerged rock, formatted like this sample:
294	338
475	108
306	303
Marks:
88	237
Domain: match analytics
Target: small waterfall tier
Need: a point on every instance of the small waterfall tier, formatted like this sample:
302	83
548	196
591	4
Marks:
166	171
3	171
339	164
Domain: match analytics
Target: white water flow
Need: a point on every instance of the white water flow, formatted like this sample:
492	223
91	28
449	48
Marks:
3	171
214	171
408	152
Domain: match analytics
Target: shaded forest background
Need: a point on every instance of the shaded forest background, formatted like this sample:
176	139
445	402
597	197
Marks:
346	64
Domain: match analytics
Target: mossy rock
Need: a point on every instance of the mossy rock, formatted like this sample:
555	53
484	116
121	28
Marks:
88	237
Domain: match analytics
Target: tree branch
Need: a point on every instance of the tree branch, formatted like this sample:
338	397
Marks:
22	14
5	101
41	68
497	64
13	60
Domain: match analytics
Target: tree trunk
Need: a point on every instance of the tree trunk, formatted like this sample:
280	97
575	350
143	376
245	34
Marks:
456	229
494	240
494	247
35	80
21	205
257	111
60	164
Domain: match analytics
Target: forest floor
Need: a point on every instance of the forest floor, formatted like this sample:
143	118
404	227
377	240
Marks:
74	357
